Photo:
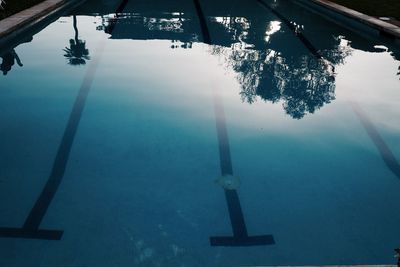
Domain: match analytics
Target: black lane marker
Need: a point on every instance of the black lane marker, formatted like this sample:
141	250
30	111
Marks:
203	23
57	173
292	27
240	236
118	14
384	150
30	229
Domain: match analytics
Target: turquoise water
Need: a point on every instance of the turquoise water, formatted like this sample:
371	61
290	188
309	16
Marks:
309	123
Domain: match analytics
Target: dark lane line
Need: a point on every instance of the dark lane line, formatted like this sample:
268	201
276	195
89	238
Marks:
203	23
30	229
385	152
240	236
292	27
235	210
118	14
57	173
222	134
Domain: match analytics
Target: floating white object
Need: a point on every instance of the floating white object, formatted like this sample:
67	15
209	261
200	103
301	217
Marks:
381	47
228	182
384	18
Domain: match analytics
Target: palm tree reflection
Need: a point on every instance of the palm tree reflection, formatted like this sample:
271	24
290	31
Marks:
76	53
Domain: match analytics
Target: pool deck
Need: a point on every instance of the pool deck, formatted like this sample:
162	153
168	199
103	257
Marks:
31	15
378	24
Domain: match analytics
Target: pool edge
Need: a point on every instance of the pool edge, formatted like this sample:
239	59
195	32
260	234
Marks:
14	25
381	26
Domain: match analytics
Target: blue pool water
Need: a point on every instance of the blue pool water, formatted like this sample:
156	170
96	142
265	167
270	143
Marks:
199	133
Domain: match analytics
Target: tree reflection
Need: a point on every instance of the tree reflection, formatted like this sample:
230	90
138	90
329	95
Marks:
173	26
76	53
397	57
302	82
272	62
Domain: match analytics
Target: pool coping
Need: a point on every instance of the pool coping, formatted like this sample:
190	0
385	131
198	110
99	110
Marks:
30	16
384	27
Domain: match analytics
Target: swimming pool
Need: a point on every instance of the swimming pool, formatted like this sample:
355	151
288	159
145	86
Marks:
199	133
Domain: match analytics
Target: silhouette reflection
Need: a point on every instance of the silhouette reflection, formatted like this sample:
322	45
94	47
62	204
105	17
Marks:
267	69
10	57
303	84
173	26
76	53
8	60
269	61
